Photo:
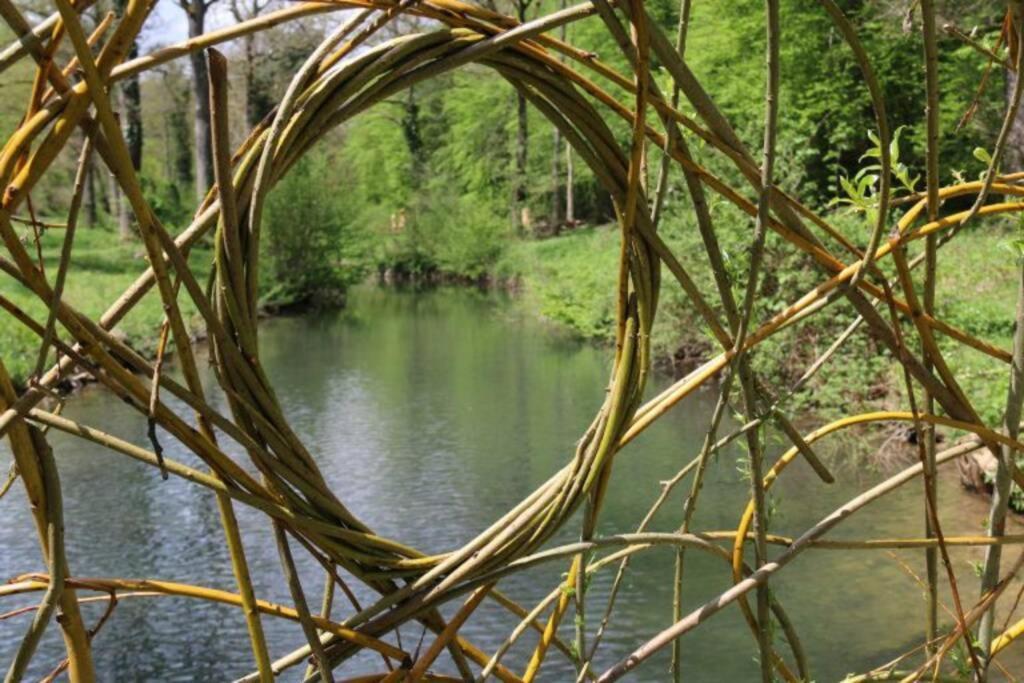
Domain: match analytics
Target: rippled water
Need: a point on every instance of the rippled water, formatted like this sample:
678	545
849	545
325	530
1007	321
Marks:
430	414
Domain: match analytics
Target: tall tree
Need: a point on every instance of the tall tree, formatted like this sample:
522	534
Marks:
558	218
178	161
570	191
570	198
196	11
130	99
1015	139
91	204
411	131
556	183
258	101
520	193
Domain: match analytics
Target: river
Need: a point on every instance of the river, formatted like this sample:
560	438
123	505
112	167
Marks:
430	414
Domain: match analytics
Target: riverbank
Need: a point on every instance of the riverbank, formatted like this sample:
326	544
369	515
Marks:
103	267
569	281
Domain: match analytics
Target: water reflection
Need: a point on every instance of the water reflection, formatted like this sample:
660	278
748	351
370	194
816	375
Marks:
431	414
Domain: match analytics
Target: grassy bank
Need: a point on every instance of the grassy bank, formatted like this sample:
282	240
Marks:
102	268
570	280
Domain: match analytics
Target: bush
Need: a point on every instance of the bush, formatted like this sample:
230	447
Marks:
465	236
311	253
571	279
167	202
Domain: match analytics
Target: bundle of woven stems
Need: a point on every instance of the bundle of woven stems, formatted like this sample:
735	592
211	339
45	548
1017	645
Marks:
349	72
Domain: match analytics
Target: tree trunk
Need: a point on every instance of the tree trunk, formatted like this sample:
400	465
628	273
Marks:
522	143
181	144
413	136
570	195
115	198
252	115
90	200
124	216
130	101
1014	154
124	220
201	101
570	198
556	184
258	102
132	115
180	165
105	190
519	191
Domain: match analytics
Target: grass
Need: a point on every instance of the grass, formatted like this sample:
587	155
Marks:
102	268
977	291
570	280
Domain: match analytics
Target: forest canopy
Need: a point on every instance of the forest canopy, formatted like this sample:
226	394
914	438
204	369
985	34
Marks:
465	146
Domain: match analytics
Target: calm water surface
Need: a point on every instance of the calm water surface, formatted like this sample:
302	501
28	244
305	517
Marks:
431	414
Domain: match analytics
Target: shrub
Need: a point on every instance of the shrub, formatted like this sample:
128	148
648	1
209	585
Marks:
465	235
311	253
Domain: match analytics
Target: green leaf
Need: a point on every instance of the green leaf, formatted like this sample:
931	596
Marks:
849	187
894	144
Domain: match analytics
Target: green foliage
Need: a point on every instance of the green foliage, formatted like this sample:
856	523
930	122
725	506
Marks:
863	189
430	177
171	203
826	105
900	173
464	236
569	280
103	267
377	161
414	162
311	252
475	151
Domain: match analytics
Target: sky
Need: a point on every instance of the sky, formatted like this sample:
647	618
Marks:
167	25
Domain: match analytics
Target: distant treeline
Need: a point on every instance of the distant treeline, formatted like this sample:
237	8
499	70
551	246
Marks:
443	175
